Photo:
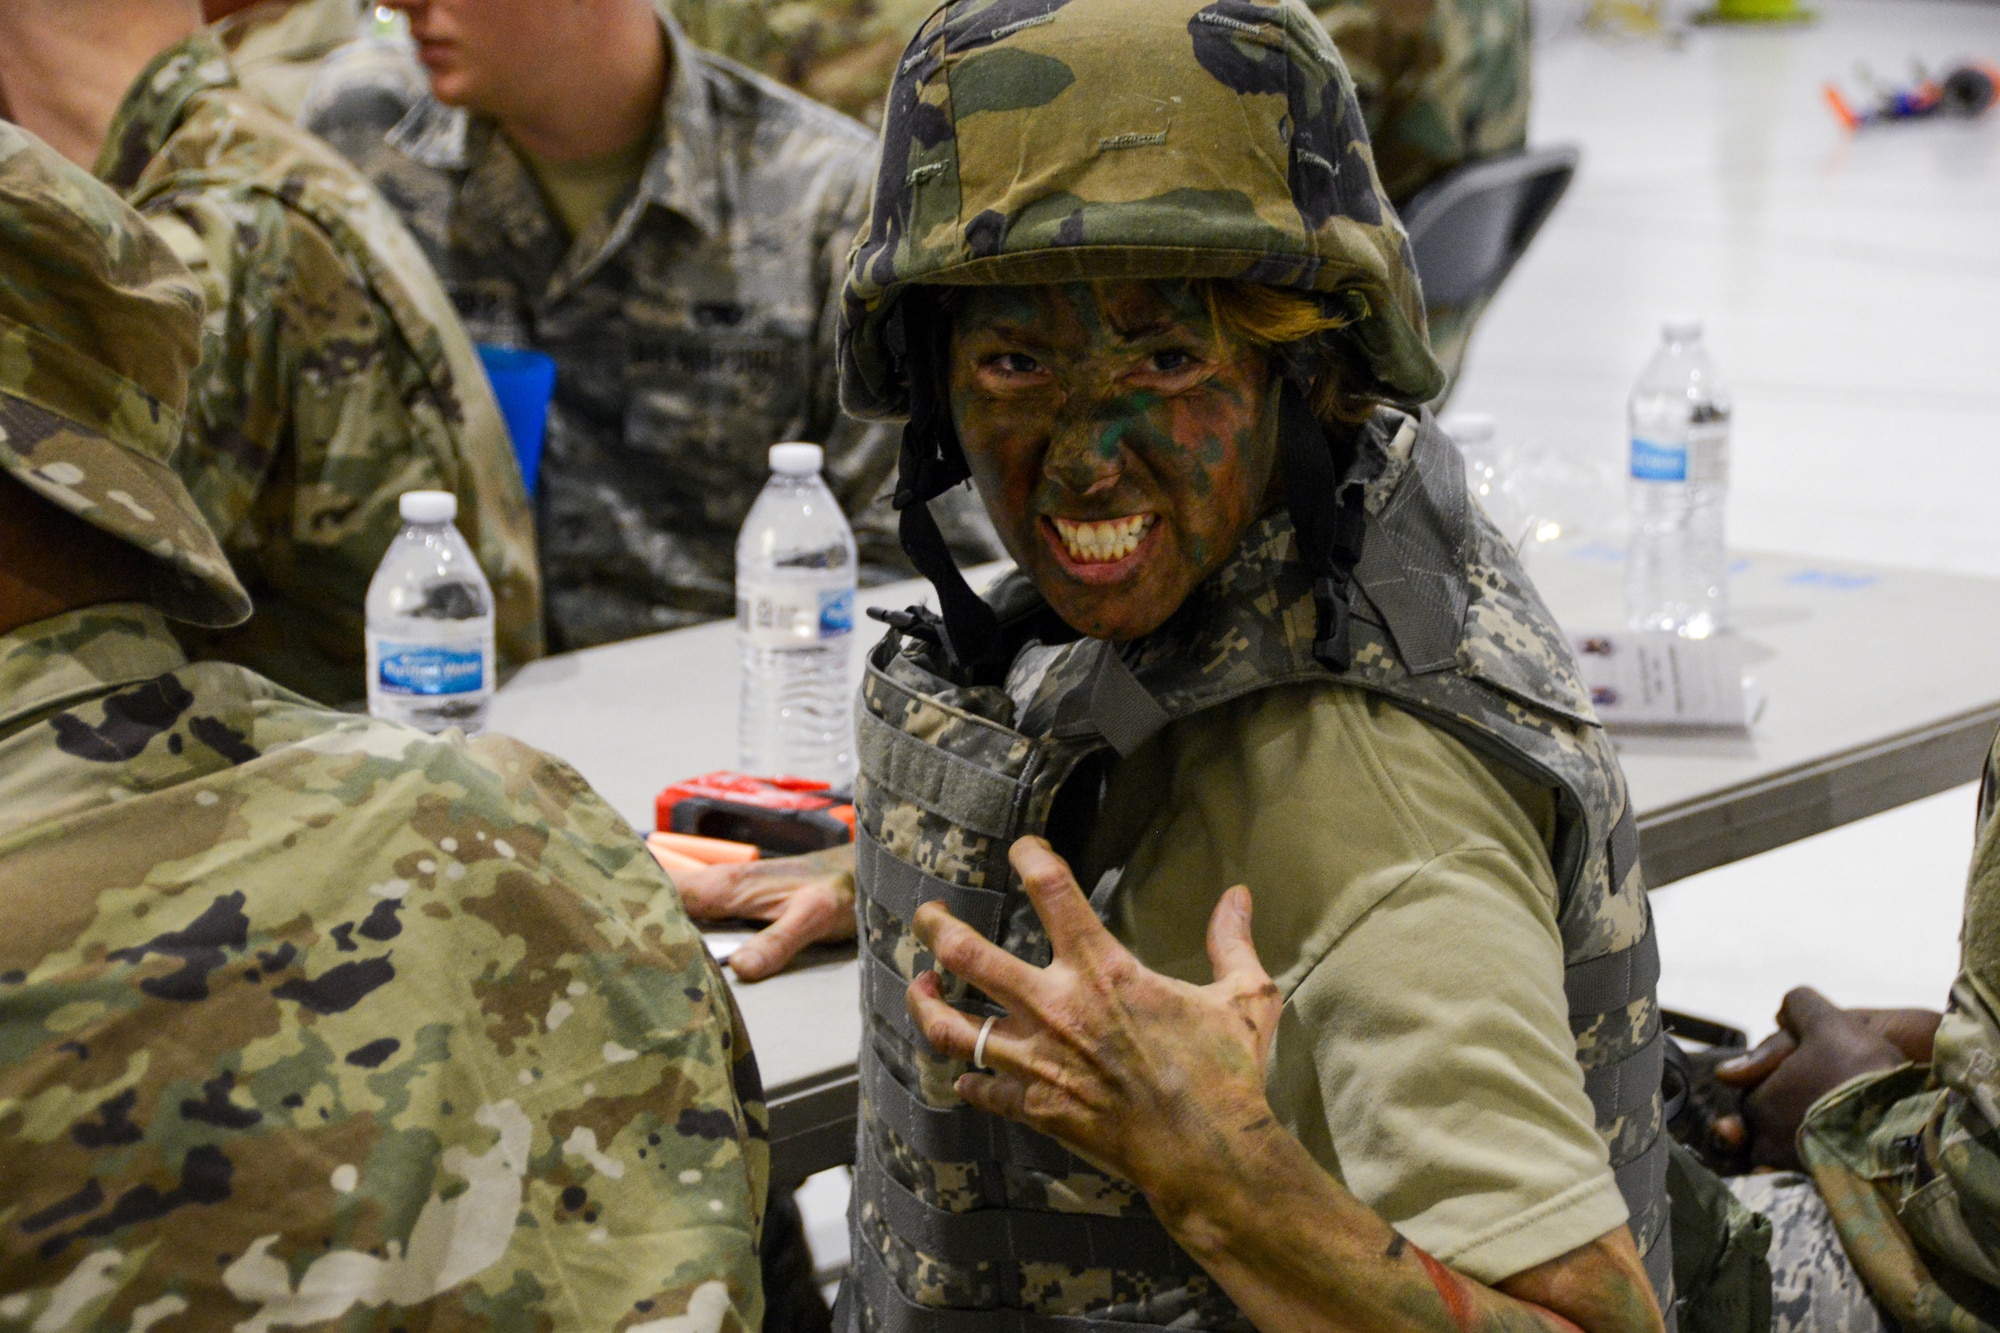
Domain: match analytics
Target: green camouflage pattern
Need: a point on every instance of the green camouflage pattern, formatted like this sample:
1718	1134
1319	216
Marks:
1166	140
276	47
313	1020
1909	1160
692	326
334	375
951	774
99	329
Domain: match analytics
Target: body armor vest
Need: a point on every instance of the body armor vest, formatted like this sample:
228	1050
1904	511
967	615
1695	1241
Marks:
967	1223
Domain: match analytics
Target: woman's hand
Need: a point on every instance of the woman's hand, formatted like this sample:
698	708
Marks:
1140	1073
807	899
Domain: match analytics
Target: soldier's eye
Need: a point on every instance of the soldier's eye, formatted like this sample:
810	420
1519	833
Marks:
1016	363
1168	360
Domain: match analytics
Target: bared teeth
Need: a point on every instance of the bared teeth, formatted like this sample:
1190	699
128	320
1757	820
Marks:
1105	541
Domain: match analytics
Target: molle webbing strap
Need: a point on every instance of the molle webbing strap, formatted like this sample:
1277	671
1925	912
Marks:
1618	1089
1114	705
1411	573
916	771
896	1313
1600	985
959	1133
882	994
1009	1237
899	888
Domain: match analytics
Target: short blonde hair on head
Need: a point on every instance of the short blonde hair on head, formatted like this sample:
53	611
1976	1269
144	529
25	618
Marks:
1268	318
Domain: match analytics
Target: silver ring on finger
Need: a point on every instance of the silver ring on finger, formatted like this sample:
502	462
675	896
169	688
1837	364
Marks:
979	1047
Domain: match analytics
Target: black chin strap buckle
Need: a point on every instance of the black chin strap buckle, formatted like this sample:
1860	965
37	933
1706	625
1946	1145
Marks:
917	622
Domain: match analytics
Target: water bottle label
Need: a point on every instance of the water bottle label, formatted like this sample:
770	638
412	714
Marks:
1659	462
429	669
793	615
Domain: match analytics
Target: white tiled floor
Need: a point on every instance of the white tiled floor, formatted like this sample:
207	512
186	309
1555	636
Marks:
1851	286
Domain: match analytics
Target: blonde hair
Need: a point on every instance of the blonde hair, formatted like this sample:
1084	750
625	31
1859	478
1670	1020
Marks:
1266	318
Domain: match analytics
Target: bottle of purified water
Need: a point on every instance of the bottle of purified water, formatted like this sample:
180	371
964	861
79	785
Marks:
1677	569
430	623
795	564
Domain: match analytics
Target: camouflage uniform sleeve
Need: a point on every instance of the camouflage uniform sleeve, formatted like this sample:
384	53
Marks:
309	416
1909	1161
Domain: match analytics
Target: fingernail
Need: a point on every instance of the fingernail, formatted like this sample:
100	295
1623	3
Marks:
1732	1064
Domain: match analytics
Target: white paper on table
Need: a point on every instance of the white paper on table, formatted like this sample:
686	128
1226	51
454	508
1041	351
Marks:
722	943
1664	683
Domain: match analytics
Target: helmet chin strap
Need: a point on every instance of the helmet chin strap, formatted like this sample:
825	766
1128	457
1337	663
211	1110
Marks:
1328	514
932	463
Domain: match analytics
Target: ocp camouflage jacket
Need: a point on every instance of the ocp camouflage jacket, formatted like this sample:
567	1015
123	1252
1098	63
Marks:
334	375
308	1019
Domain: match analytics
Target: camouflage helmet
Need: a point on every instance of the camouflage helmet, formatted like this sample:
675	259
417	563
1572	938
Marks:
100	326
1035	141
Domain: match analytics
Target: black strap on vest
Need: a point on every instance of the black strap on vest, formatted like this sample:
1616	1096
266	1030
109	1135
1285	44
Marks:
1328	514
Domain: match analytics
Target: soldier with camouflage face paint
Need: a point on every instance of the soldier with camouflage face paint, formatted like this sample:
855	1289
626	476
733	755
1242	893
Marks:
305	1019
1130	267
334	374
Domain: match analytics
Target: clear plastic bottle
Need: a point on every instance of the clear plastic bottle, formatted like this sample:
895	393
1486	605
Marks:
430	623
1490	468
795	567
1677	564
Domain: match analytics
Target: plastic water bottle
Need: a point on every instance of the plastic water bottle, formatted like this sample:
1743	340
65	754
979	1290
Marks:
1490	471
795	564
1677	570
430	623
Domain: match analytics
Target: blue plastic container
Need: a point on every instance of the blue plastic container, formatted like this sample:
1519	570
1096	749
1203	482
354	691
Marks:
524	382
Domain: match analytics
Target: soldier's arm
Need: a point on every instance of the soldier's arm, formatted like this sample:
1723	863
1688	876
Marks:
1163	1083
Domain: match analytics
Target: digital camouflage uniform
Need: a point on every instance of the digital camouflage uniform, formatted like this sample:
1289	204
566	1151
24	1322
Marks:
334	375
1908	1161
692	326
276	47
1191	140
308	1019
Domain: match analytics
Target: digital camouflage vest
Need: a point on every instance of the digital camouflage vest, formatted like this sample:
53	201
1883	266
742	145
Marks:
965	1223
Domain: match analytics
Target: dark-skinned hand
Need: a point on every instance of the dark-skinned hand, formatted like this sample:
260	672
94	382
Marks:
1817	1047
1137	1072
807	899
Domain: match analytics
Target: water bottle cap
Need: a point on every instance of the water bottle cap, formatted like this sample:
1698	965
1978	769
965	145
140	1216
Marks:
1681	328
797	459
1470	428
428	506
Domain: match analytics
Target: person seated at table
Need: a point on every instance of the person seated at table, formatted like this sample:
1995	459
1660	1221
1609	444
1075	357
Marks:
1258	636
334	374
306	1019
670	229
1874	1133
277	46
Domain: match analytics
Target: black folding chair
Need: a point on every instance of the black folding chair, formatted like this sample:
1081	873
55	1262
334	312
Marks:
1471	226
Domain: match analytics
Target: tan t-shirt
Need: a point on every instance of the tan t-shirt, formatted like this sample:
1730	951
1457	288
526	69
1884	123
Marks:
1405	904
582	192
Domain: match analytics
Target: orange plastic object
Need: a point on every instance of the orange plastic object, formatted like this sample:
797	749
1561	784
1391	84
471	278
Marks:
708	851
672	861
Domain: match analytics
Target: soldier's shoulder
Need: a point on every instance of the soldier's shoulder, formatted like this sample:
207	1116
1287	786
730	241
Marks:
743	93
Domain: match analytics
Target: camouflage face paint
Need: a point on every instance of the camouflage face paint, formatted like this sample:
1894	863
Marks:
1121	444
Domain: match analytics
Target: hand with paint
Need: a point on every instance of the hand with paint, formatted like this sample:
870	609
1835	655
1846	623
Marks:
807	899
1162	1082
